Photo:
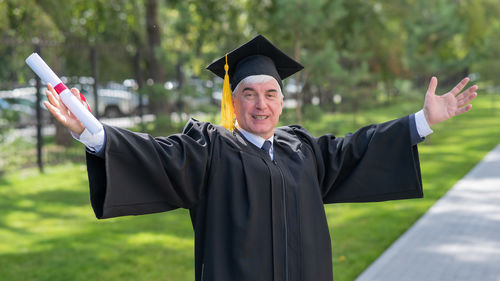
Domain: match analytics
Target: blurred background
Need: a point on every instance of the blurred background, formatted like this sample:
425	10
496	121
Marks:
147	57
141	65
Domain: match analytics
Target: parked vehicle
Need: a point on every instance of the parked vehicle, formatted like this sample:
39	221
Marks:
19	107
114	103
115	100
8	115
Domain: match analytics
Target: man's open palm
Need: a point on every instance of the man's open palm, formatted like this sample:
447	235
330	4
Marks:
441	108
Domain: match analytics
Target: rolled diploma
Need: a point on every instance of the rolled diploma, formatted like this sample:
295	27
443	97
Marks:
36	63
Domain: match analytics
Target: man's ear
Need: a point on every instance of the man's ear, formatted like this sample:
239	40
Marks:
282	103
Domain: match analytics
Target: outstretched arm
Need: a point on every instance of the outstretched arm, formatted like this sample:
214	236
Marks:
441	108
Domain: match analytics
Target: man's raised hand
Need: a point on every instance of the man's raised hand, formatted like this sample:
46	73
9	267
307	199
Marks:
441	108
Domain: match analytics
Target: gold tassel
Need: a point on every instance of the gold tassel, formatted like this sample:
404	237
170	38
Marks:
227	111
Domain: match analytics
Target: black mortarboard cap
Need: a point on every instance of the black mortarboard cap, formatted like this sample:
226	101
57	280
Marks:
257	56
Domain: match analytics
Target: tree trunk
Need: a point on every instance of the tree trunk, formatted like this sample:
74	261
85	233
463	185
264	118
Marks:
156	70
298	97
62	137
389	90
95	75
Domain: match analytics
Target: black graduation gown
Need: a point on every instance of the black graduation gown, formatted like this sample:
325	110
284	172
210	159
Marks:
253	218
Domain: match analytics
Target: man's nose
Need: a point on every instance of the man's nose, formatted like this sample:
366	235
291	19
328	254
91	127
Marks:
261	102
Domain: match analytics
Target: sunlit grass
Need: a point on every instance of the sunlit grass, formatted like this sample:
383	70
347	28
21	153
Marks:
49	232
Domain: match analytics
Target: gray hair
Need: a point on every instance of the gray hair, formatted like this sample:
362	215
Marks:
253	79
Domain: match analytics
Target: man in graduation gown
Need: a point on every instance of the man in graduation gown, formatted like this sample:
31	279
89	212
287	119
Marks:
256	193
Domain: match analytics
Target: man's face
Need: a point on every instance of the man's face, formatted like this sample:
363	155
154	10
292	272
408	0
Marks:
258	107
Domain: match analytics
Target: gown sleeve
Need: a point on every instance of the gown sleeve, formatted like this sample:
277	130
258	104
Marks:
140	174
376	163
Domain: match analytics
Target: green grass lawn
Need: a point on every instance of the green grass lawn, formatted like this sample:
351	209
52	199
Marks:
48	230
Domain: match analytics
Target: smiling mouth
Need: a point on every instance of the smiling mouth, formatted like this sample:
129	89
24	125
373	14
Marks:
260	117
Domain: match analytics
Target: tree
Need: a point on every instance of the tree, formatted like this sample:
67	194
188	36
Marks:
300	28
156	70
435	40
480	37
22	23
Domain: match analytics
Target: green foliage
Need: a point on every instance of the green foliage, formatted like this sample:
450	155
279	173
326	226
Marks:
3	148
312	112
349	47
20	153
438	39
160	99
165	126
22	20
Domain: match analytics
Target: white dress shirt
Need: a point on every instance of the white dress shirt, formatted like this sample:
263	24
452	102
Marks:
258	141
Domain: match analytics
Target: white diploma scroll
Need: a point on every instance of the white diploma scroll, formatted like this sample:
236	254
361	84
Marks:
36	63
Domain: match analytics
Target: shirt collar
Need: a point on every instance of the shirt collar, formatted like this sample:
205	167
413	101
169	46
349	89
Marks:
254	139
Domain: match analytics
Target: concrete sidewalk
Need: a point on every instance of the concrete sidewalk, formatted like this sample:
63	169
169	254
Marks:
457	239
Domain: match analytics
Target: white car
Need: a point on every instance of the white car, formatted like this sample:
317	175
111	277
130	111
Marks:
115	103
19	106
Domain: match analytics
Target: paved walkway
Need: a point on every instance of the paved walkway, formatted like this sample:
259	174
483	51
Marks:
457	239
